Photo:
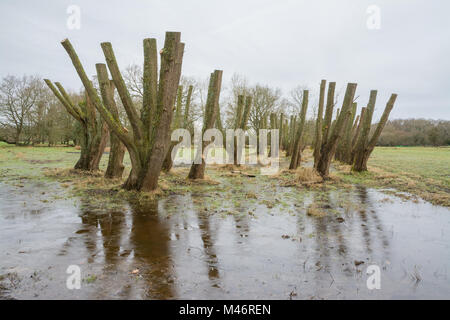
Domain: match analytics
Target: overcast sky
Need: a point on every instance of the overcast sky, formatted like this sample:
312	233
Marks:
279	43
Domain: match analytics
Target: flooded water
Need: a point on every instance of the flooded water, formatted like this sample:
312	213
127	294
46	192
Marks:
179	248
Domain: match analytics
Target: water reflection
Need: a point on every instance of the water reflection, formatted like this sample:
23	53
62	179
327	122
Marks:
149	239
208	238
239	251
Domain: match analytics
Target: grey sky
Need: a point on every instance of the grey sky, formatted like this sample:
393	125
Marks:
280	43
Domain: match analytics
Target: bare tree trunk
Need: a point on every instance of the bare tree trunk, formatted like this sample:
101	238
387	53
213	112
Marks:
197	170
319	126
296	151
366	146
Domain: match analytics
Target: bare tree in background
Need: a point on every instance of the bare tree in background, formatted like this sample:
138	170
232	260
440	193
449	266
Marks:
18	97
265	101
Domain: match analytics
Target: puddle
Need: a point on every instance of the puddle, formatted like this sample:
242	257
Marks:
179	247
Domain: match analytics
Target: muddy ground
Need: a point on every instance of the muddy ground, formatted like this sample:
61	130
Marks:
236	237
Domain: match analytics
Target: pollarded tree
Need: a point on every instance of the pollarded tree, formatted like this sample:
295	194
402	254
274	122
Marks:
94	132
334	132
364	145
149	139
197	170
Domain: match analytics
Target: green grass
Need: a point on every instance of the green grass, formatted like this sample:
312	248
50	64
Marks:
28	161
423	171
4	144
425	162
31	162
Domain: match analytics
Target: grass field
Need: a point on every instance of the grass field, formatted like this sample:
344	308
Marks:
421	171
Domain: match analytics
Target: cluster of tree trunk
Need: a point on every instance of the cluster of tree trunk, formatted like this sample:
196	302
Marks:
347	137
197	170
364	144
94	132
148	139
327	142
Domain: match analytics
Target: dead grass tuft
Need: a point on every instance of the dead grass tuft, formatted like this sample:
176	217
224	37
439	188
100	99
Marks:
308	176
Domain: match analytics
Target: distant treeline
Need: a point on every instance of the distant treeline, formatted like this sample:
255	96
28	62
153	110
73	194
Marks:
415	132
